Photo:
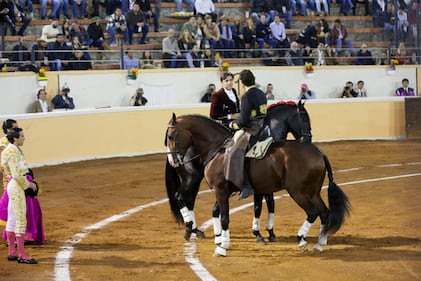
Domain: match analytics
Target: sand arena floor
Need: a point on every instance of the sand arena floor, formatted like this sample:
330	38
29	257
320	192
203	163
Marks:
380	241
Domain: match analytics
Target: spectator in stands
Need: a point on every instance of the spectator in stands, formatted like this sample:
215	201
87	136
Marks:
59	53
278	35
324	34
325	7
208	58
294	55
20	53
306	93
7	16
58	6
390	20
78	61
117	24
412	18
403	25
271	58
282	8
226	41
194	57
361	91
402	54
348	91
170	52
138	99
79	31
379	12
178	4
78	8
185	42
269	92
65	30
330	56
308	55
310	35
62	99
249	33
50	31
259	7
190	26
319	55
41	104
205	7
364	56
40	52
30	7
262	32
405	90
207	95
21	16
346	6
147	60
145	7
366	6
340	37
211	31
76	45
136	23
382	58
129	60
96	35
238	36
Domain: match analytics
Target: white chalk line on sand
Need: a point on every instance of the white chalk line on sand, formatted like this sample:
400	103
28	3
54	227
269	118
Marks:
61	266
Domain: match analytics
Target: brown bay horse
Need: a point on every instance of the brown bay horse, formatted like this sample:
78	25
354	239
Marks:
300	168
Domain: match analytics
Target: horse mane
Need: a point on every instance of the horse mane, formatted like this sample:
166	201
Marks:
213	122
281	103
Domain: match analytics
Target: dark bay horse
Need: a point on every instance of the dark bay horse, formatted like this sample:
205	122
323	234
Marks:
183	182
300	168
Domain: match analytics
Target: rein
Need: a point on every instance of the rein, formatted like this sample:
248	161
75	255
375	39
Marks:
300	122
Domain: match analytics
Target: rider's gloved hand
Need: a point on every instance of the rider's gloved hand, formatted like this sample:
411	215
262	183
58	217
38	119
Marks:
234	125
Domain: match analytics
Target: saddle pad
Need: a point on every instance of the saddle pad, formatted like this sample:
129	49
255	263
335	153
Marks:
259	150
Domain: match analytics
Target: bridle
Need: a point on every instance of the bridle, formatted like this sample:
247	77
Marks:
304	134
178	158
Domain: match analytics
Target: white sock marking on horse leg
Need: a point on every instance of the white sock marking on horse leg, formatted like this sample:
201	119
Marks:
256	224
225	239
217	228
322	237
304	229
270	222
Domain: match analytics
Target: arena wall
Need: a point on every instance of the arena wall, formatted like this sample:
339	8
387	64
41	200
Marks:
59	137
93	89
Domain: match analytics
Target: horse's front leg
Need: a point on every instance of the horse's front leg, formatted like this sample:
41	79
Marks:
221	248
217	228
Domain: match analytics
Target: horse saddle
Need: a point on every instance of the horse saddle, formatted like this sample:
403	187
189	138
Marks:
259	149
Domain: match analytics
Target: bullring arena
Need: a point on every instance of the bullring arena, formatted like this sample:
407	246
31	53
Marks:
106	214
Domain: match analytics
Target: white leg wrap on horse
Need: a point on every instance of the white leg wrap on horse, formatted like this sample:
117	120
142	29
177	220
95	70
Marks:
322	237
217	230
219	251
256	224
186	214
304	229
194	226
225	239
270	221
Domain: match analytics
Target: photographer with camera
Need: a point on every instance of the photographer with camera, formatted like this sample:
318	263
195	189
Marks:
348	91
138	99
62	100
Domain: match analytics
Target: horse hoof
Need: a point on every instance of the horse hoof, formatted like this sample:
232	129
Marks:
199	234
260	240
220	252
303	248
273	239
318	249
187	235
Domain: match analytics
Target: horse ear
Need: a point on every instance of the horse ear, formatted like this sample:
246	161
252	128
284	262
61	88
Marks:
301	103
173	117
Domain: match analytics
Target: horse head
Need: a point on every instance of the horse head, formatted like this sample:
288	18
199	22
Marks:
176	151
304	123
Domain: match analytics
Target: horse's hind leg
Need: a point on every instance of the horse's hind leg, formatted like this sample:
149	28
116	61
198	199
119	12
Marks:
312	213
258	198
324	214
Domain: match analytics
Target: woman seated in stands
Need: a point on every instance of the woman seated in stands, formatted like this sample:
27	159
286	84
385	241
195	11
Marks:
146	62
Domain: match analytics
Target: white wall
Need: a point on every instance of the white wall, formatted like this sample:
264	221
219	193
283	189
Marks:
92	89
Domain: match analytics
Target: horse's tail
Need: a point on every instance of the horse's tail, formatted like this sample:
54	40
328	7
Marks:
339	204
172	182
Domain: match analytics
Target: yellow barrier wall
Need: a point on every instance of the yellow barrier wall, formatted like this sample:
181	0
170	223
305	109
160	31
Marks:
79	135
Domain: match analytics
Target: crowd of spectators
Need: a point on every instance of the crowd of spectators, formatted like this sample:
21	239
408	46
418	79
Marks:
262	35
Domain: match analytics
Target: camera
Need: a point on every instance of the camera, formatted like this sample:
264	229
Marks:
347	88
